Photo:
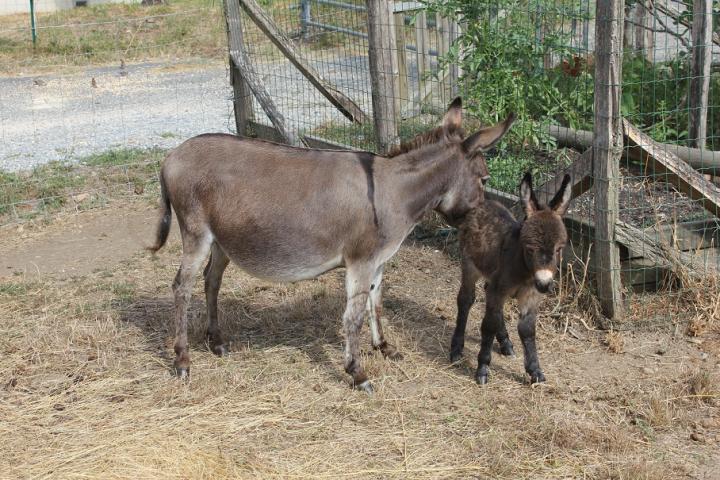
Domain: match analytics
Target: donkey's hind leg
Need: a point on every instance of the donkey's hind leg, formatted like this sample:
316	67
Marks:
213	279
465	300
358	279
375	313
195	249
492	324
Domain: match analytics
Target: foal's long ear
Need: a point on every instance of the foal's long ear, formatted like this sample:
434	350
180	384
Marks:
561	200
453	117
487	138
527	196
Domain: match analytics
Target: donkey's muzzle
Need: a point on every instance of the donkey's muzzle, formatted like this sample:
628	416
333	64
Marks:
543	280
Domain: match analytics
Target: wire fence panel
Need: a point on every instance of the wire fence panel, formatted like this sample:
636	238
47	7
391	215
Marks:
104	86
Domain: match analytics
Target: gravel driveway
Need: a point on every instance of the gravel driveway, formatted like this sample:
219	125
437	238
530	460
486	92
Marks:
64	117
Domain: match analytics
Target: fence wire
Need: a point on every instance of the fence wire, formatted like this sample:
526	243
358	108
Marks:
93	103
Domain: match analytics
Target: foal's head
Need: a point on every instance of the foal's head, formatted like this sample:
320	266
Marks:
465	190
543	233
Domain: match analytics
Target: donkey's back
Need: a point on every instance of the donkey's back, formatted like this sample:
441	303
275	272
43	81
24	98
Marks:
486	237
281	213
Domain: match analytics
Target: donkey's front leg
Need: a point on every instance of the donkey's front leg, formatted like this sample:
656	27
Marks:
528	300
375	313
465	300
492	324
357	286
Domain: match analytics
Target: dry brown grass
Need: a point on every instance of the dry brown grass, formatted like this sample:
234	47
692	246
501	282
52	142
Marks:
85	389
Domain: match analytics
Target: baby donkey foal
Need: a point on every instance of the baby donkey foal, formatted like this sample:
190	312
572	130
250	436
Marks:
519	260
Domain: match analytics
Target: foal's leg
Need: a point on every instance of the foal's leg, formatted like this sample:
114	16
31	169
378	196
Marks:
375	313
357	285
195	249
492	324
213	278
465	300
528	300
506	346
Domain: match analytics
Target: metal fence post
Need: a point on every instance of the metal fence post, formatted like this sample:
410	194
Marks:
607	148
32	22
305	18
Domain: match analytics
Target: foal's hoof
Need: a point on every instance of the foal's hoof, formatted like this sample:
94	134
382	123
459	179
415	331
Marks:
506	348
481	379
366	387
537	377
456	356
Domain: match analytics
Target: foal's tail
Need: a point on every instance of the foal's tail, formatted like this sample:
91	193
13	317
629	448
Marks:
163	228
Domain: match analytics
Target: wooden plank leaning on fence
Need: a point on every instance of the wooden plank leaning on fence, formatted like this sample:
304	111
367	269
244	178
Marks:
607	147
242	95
247	74
344	104
678	172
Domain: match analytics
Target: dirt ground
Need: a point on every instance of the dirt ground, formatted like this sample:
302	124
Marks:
85	389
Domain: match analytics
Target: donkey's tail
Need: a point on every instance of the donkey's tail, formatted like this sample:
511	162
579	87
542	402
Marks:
163	228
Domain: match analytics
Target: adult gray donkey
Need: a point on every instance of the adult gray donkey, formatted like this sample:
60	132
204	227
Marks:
286	214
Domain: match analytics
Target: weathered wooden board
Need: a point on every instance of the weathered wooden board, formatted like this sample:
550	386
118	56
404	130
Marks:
700	72
263	97
607	146
344	104
382	60
679	173
242	95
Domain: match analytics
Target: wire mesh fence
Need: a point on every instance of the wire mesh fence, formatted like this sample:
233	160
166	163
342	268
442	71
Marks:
114	86
91	105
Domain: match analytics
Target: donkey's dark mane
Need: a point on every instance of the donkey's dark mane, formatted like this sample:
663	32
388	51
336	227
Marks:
431	137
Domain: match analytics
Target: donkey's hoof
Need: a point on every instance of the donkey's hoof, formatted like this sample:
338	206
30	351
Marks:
221	350
481	379
392	353
366	387
537	377
183	373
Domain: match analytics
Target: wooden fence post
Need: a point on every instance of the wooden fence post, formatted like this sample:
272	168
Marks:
383	71
700	72
607	148
242	96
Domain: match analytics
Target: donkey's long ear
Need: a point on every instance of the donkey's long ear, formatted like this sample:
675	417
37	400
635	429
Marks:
487	138
527	196
453	117
561	200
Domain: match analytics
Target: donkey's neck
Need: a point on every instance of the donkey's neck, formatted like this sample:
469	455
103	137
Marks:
422	177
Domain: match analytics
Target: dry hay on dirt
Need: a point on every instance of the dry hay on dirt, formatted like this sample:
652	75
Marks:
85	387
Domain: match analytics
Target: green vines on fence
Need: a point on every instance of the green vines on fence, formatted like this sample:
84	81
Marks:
527	56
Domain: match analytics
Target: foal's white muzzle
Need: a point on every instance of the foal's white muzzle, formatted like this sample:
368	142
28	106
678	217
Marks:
543	280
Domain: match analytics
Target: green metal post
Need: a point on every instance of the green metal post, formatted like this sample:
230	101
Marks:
32	21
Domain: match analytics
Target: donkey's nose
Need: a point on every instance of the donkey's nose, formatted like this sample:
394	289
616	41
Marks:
543	280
